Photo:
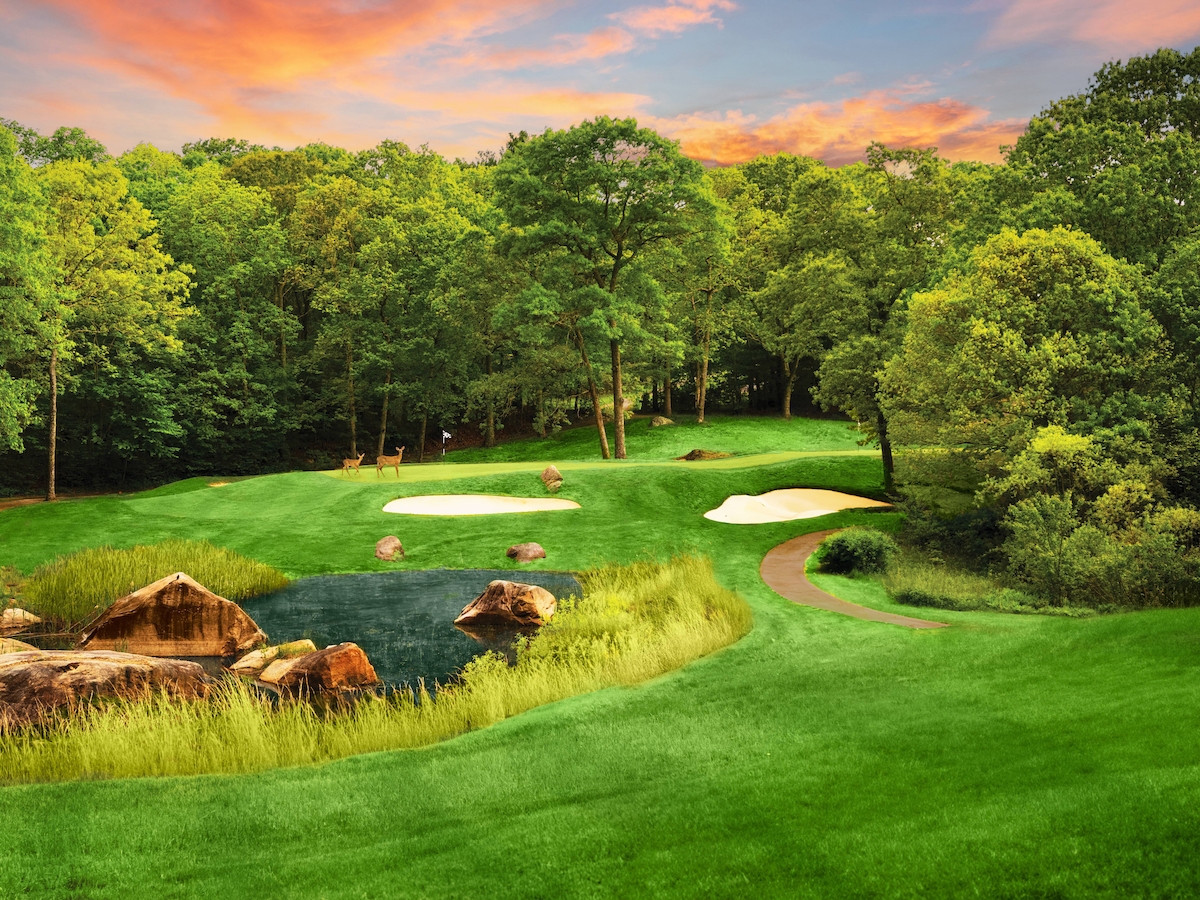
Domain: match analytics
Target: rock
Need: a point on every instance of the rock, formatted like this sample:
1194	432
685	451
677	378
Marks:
175	616
35	683
8	645
509	603
526	552
705	454
257	660
552	478
15	619
387	548
340	667
659	421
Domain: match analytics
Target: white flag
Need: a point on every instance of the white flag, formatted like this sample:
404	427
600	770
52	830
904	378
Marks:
445	435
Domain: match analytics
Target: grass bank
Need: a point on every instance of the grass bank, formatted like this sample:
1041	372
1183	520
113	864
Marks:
633	623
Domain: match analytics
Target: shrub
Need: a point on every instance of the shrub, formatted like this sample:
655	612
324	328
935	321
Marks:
857	551
633	623
74	589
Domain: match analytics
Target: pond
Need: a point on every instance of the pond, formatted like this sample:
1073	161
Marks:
403	620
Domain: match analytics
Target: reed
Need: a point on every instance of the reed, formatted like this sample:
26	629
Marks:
632	623
74	589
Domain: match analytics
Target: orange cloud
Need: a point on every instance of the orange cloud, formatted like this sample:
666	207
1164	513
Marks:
567	50
1109	23
673	18
840	132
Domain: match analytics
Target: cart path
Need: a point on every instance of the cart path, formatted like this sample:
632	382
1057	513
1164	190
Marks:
783	571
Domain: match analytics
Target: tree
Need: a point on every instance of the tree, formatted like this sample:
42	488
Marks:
24	280
64	144
592	200
117	300
1043	329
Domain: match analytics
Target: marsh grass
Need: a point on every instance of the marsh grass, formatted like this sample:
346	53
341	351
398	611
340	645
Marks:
633	623
917	580
74	589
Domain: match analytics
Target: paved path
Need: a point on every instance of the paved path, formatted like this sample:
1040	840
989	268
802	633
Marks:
783	571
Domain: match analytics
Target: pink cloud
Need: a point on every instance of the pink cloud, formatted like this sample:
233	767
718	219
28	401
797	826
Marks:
1114	24
672	18
567	49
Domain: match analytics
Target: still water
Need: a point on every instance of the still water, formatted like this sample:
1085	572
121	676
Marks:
403	620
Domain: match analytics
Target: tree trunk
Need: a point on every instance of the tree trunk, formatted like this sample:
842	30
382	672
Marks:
383	416
595	395
789	381
53	442
489	437
667	396
654	395
282	328
702	386
421	441
618	400
885	451
350	389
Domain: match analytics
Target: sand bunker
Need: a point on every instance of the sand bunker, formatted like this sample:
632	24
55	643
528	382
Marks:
786	505
474	505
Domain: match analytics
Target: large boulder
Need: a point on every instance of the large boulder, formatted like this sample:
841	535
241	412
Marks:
340	667
8	645
525	552
35	683
660	421
387	548
14	619
507	604
552	478
257	660
695	455
174	616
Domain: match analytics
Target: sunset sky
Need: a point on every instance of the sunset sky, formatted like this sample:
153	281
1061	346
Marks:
728	78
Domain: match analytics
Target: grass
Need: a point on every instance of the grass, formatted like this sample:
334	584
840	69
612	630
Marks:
820	756
633	623
75	588
743	435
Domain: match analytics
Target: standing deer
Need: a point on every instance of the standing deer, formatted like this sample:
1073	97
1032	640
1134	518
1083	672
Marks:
348	464
381	461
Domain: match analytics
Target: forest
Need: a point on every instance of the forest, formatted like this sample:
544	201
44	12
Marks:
1027	332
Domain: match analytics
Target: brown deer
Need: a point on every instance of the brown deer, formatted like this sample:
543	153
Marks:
348	464
381	461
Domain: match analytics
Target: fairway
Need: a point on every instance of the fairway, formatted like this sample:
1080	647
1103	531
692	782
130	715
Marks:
820	756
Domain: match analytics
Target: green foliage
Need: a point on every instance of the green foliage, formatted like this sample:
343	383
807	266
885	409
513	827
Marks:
75	588
858	551
632	624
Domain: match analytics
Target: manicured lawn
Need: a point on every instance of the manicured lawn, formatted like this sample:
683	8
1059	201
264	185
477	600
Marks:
821	756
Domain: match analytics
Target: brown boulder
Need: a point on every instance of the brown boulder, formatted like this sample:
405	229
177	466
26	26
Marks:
552	478
659	421
387	548
8	645
257	660
695	455
509	603
341	667
174	616
14	619
526	552
35	683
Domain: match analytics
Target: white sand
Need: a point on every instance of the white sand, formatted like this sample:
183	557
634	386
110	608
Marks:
474	505
786	505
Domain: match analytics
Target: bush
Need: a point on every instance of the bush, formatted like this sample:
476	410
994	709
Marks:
857	551
74	589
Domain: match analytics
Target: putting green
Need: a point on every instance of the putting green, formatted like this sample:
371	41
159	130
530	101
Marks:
474	505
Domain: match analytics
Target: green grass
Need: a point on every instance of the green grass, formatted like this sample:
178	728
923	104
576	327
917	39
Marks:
633	623
743	435
820	756
75	588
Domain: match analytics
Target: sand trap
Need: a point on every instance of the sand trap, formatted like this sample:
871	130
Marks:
786	505
474	505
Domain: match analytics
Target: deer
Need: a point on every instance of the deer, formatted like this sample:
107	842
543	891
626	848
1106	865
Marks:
348	464
381	461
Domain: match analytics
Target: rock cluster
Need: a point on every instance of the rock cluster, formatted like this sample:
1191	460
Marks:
387	548
552	478
174	616
525	552
257	660
509	604
35	683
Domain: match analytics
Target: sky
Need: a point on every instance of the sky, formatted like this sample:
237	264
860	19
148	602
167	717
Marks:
728	79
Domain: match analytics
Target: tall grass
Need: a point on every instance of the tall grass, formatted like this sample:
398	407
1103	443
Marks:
73	589
633	623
